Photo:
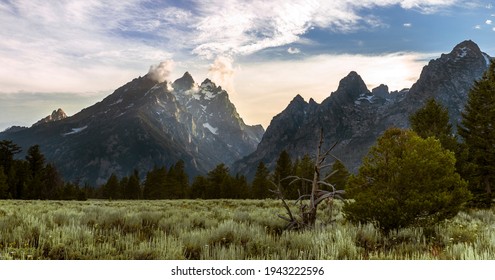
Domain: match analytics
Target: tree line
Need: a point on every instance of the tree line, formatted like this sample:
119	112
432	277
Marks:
173	182
32	177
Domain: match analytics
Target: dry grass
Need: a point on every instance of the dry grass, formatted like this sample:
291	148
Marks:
222	229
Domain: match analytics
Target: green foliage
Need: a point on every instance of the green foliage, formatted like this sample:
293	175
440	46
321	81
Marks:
7	151
432	120
341	175
220	230
261	183
4	187
284	169
132	190
304	168
154	185
405	181
478	132
111	189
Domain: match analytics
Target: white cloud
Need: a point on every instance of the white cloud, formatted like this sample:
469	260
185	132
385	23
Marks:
93	45
293	50
407	25
488	21
76	44
162	71
236	28
477	27
222	73
493	29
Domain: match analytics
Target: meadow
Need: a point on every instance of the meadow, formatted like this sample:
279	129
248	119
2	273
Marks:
223	230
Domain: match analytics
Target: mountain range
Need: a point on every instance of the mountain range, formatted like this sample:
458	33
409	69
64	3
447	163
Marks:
144	123
147	123
354	116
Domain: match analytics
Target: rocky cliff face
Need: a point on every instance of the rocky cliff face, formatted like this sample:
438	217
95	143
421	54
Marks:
143	124
56	115
355	117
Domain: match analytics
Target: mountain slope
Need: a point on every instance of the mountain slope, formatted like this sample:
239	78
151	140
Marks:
142	124
355	117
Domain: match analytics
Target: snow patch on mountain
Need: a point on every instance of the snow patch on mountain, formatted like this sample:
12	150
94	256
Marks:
212	129
487	59
75	130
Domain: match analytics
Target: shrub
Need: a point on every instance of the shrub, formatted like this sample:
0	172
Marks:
405	181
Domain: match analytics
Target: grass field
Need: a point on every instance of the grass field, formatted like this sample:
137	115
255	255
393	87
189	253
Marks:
222	229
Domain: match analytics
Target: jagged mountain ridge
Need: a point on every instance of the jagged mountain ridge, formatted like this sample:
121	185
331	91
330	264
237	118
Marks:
355	117
143	124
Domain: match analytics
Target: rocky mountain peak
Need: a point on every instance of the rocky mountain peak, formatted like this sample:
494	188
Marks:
184	83
381	91
56	115
465	47
207	83
350	88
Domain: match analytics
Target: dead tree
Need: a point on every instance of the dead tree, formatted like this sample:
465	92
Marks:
308	203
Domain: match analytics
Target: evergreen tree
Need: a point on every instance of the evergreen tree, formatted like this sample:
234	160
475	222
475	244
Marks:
261	183
111	188
177	183
478	131
432	120
339	178
154	185
133	189
304	169
53	183
36	160
199	187
239	187
4	187
283	169
7	151
405	181
219	182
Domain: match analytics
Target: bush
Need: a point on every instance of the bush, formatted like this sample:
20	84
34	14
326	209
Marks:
405	181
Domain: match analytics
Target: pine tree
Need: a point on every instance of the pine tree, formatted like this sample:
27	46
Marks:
177	183
133	189
199	187
261	183
111	188
478	131
36	161
4	187
432	120
405	181
53	183
154	185
219	182
340	175
283	169
304	169
7	151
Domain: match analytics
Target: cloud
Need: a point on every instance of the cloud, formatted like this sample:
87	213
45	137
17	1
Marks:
222	73
488	21
235	28
162	71
293	50
493	29
477	26
407	25
74	42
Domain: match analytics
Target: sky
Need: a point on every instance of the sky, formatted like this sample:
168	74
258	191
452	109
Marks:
71	54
